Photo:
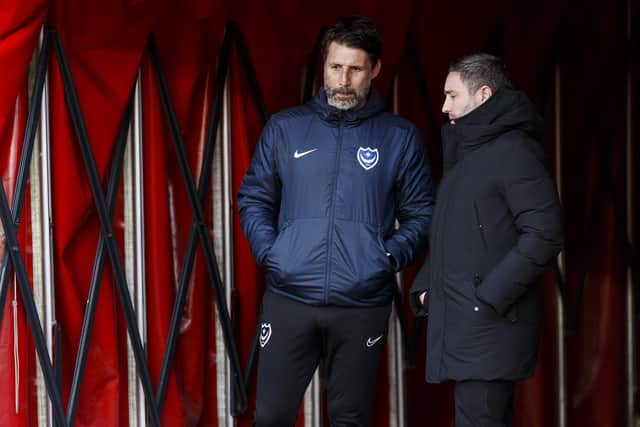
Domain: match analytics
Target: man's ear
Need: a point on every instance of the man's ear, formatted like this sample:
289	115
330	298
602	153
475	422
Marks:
485	93
376	69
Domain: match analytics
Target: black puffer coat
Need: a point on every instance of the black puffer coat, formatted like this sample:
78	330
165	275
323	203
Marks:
496	225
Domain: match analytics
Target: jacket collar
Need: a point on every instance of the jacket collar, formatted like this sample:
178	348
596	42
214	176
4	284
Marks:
505	111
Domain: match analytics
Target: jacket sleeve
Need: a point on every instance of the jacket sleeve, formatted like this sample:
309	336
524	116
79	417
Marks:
414	203
532	198
259	195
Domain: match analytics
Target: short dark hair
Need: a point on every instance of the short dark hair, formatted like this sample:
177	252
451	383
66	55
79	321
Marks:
481	69
355	32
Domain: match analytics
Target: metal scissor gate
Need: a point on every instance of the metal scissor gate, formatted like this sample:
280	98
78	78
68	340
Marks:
107	246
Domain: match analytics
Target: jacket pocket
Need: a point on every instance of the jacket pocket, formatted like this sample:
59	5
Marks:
298	255
388	264
511	314
480	226
495	222
269	262
361	266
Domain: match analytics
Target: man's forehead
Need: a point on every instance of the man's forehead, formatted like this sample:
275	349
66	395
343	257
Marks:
340	53
453	83
453	77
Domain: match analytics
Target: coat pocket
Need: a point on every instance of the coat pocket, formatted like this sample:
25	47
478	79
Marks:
512	312
298	256
360	260
495	223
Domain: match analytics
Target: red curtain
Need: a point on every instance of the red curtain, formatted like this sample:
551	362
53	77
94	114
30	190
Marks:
105	42
596	128
20	23
19	29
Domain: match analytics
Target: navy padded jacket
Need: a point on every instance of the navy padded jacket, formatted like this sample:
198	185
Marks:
337	181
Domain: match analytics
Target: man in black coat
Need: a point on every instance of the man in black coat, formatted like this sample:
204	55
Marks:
496	225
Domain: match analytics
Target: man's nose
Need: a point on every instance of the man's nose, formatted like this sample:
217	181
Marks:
446	108
345	79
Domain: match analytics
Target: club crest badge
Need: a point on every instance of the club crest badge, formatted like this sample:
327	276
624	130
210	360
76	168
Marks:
368	157
265	334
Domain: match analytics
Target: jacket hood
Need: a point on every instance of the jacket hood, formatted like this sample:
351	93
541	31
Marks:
505	111
333	116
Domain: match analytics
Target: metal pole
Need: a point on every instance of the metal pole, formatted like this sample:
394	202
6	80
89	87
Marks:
560	313
38	286
218	189
395	367
395	346
316	398
630	309
44	413
227	219
141	294
313	402
42	244
134	247
130	266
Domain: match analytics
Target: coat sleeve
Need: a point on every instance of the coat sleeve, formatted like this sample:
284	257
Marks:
420	284
531	196
259	195
414	203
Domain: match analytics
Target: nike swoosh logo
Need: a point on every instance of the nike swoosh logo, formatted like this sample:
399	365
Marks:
372	342
297	155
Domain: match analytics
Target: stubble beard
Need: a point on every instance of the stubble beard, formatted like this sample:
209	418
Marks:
466	110
357	97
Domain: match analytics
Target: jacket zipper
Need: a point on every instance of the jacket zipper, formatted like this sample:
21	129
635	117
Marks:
332	213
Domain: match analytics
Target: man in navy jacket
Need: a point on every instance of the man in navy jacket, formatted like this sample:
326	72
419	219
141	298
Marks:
319	204
496	225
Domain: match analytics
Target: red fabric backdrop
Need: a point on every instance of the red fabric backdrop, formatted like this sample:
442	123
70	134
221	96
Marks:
105	43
